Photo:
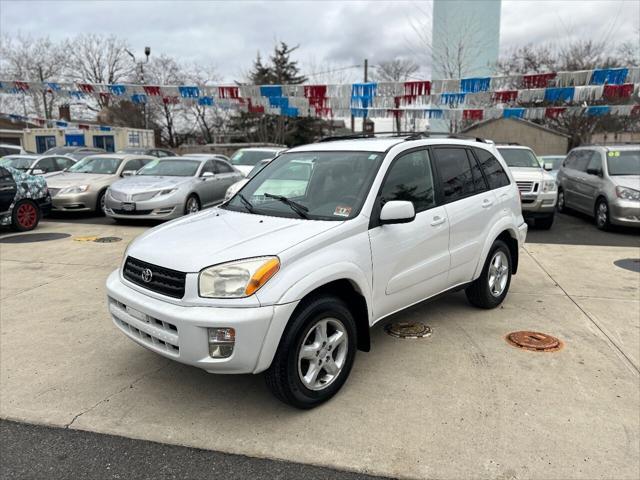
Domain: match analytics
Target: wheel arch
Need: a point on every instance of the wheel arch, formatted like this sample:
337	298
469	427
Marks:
509	235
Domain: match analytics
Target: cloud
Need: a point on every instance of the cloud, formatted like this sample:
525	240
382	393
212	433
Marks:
229	34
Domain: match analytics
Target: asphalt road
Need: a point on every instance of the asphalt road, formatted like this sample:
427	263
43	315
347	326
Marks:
37	452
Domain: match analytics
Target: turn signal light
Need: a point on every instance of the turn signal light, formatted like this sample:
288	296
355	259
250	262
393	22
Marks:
262	275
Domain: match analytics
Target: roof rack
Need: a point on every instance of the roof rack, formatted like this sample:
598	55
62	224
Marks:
408	136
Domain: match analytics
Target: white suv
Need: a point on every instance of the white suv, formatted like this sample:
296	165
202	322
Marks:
291	282
537	186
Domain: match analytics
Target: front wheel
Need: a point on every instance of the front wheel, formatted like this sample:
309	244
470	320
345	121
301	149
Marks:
192	205
25	216
491	287
315	354
561	205
100	203
602	215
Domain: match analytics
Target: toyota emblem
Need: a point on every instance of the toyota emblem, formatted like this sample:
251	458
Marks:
147	275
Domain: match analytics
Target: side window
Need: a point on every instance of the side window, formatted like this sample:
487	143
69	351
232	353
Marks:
63	163
479	183
410	178
135	164
581	160
208	167
494	172
46	165
455	173
222	167
5	176
595	162
570	160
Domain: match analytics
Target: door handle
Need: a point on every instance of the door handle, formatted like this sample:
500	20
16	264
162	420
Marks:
486	203
438	221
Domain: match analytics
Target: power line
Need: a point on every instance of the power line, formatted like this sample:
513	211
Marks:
334	70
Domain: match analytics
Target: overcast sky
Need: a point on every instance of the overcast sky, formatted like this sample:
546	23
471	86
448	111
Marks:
332	34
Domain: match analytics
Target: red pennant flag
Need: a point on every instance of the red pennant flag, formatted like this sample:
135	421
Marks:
506	96
228	92
540	80
472	114
82	126
85	88
24	86
315	91
614	92
554	112
105	97
417	88
151	90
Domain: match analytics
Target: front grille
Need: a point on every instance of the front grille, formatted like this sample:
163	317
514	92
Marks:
152	332
141	197
130	212
525	186
54	191
163	280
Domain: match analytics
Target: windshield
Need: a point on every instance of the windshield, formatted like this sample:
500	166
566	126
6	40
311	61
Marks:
100	165
134	151
555	162
257	168
323	185
251	157
19	163
624	162
170	168
519	157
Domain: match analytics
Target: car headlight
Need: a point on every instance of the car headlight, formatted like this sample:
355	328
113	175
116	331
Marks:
628	193
75	189
237	279
168	191
549	186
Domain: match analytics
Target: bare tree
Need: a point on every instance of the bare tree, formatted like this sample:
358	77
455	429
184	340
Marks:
37	60
397	70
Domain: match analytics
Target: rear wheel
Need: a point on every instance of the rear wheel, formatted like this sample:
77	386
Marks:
25	216
315	354
491	287
602	215
545	223
192	205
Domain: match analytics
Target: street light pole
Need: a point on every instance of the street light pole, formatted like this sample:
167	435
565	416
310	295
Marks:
147	52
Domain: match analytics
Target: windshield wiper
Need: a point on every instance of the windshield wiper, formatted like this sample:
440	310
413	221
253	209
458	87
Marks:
247	204
295	206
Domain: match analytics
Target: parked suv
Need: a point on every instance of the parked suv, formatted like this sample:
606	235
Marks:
604	182
291	282
537	186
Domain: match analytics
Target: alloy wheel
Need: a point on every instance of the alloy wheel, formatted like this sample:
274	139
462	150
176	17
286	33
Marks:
498	273
27	215
192	205
323	354
602	214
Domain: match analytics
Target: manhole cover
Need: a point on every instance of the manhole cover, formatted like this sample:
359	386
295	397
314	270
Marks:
408	330
33	237
632	264
107	239
535	341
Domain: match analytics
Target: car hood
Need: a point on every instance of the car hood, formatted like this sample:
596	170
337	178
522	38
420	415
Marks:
216	236
146	183
69	179
629	181
530	174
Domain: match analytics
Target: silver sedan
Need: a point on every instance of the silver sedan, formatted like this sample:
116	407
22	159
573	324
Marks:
171	187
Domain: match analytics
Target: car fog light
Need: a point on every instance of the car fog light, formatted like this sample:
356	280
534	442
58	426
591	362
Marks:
221	342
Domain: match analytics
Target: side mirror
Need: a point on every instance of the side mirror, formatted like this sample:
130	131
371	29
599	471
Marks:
594	171
128	173
548	167
397	211
207	174
37	171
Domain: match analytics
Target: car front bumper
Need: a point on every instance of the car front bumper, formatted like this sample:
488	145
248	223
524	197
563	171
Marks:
625	213
179	332
155	209
75	202
540	204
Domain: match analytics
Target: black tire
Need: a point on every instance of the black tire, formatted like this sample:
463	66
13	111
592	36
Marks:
25	216
545	223
561	204
283	378
601	215
99	203
479	292
190	198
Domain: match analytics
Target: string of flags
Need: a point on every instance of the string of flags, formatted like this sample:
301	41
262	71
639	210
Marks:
513	95
39	122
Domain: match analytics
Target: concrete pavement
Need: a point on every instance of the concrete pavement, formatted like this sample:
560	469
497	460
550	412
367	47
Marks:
459	404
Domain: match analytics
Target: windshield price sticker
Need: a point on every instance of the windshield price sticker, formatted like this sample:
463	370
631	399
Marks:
614	154
341	211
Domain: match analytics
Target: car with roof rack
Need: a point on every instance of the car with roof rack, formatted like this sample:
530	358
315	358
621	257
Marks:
602	181
536	185
288	276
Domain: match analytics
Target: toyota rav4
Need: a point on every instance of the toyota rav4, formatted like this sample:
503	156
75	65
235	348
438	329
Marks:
324	242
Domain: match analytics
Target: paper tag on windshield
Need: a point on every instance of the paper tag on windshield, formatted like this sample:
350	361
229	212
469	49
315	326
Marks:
341	211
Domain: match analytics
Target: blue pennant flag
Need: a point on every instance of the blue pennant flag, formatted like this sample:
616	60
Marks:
362	94
189	92
282	102
77	94
139	98
513	113
53	86
433	113
452	98
610	76
556	94
61	124
271	90
473	85
118	90
289	111
597	110
205	101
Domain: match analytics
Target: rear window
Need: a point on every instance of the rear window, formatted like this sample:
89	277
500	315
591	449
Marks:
455	173
492	169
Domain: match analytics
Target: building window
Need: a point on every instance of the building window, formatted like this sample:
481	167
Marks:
45	142
134	139
104	141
